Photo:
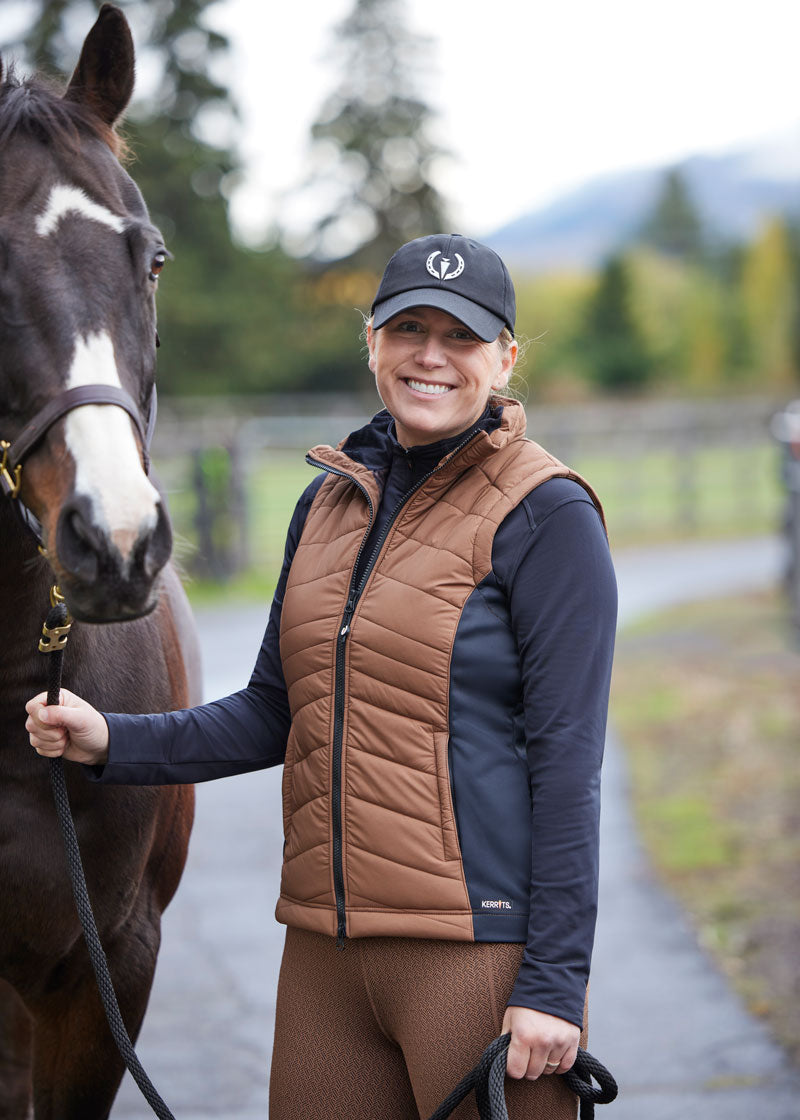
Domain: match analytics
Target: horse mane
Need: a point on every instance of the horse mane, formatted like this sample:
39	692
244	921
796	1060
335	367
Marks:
35	107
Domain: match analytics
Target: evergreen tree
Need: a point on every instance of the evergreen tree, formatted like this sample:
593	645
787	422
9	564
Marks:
674	226
611	342
371	141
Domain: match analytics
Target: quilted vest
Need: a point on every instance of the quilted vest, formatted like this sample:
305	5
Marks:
371	845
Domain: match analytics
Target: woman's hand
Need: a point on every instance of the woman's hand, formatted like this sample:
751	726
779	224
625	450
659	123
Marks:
540	1043
73	729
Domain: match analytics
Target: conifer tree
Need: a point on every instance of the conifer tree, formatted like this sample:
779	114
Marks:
612	344
371	141
674	226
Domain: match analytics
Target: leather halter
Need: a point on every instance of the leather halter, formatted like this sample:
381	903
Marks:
37	428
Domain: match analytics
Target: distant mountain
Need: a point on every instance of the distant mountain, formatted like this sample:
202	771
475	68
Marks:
733	193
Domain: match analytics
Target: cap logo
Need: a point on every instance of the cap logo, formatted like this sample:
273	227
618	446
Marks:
440	270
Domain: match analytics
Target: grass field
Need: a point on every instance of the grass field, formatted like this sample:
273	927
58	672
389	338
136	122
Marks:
728	490
707	704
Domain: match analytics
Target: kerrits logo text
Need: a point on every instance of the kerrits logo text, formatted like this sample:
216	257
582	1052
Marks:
440	269
495	904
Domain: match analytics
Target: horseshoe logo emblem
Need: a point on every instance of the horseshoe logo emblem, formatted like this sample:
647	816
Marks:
440	269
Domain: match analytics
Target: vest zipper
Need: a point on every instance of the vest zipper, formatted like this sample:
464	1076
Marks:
338	716
353	597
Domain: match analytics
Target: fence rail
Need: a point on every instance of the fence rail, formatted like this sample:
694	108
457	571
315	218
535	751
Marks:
233	469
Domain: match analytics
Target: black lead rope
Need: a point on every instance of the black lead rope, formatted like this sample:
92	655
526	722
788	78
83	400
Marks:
488	1077
55	633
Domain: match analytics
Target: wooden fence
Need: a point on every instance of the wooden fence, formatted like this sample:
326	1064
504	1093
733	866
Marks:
233	469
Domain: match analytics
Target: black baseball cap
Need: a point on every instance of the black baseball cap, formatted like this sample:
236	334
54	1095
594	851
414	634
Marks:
453	273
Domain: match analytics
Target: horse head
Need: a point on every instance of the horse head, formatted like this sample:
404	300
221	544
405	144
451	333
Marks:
79	262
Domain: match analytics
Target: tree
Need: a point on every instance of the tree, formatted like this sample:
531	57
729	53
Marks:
769	294
371	144
674	226
611	342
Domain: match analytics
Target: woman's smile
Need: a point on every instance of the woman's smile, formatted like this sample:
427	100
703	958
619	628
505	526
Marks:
431	388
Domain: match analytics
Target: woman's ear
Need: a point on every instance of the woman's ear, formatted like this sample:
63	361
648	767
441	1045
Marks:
507	363
371	346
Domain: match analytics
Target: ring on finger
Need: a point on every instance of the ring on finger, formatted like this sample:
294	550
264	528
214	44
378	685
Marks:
552	1065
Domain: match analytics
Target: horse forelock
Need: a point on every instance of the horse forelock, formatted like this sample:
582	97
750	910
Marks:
34	107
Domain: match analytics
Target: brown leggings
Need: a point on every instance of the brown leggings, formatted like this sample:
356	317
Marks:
386	1027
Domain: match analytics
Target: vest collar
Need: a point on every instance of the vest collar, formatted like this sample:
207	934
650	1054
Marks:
366	453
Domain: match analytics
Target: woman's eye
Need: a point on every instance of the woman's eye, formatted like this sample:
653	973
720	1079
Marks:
409	325
157	263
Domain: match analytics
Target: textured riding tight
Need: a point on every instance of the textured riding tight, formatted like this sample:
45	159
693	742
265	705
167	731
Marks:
386	1027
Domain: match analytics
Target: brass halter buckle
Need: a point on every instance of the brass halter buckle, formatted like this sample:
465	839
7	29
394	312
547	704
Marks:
11	483
54	638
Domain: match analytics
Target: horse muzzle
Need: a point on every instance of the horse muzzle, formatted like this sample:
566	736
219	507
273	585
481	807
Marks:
108	577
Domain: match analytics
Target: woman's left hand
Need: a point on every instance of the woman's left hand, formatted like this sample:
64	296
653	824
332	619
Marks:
540	1043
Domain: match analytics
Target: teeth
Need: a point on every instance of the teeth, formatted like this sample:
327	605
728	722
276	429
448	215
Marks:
429	387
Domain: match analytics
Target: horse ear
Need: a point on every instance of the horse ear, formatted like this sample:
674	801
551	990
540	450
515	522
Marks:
103	78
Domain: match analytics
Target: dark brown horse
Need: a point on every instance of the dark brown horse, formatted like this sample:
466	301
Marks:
79	259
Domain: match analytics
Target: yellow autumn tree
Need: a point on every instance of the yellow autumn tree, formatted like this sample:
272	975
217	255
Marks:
769	296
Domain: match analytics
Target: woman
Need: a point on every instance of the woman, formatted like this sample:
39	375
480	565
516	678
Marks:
434	678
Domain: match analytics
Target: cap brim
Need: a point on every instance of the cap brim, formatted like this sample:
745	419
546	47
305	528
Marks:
480	321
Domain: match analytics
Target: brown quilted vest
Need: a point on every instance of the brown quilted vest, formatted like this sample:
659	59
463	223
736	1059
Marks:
368	815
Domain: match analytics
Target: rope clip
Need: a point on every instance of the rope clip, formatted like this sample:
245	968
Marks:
54	638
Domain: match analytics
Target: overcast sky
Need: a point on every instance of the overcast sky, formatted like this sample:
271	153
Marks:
533	97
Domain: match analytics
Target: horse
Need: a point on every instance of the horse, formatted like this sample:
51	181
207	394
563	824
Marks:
79	262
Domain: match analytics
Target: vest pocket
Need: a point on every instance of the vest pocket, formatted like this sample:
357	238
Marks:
287	791
452	850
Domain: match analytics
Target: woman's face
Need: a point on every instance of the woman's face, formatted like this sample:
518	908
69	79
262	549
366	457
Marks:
433	374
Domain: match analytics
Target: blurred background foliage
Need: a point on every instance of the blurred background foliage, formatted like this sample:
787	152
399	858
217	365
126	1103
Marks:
671	312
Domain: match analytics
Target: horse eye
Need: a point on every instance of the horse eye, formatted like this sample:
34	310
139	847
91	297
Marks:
157	263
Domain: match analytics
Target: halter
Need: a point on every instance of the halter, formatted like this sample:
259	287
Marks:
14	453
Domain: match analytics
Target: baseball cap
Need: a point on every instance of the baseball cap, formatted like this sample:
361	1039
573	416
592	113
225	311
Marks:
454	274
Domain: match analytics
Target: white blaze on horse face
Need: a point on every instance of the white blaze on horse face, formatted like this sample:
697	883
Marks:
108	468
65	199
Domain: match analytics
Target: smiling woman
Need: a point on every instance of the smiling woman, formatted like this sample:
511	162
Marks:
434	679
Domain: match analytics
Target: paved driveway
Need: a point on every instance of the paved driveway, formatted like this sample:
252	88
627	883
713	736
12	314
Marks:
663	1019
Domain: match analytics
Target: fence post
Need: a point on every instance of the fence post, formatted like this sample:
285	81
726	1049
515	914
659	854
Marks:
220	512
686	480
785	427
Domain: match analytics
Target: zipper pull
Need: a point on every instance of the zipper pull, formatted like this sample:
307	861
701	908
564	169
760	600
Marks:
348	614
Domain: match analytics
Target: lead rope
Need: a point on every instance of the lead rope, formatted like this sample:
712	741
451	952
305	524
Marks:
488	1076
53	641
